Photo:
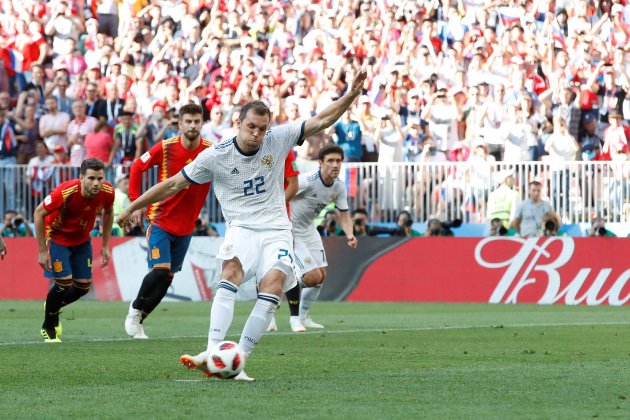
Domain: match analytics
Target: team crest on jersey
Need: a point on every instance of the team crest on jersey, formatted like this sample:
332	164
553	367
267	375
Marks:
267	161
333	197
58	266
308	260
226	248
155	253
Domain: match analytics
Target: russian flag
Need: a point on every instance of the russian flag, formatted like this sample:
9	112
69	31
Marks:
16	60
509	15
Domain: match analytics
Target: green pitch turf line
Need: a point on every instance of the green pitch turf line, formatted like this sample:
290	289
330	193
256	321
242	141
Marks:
354	331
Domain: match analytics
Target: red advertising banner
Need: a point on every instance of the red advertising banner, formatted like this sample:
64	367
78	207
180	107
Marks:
562	270
22	278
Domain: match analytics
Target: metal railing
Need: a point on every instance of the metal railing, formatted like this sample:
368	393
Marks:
576	190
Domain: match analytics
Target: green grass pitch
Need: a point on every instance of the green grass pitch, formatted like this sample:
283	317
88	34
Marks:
373	361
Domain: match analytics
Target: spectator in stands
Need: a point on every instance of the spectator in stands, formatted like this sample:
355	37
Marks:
598	228
442	115
121	200
8	153
60	84
100	144
15	225
96	107
590	138
27	133
528	220
78	129
40	171
128	139
616	137
211	130
347	134
368	124
53	126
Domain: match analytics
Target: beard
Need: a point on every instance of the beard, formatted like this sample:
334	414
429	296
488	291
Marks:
191	134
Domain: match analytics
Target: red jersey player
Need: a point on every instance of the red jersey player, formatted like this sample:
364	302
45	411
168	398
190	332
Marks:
172	221
63	222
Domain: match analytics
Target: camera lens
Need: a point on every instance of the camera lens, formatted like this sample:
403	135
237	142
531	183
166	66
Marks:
358	222
550	226
601	231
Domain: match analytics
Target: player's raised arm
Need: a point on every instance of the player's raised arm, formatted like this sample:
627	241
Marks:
154	194
334	111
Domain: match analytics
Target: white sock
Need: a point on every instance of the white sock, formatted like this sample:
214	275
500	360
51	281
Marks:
308	298
222	312
258	321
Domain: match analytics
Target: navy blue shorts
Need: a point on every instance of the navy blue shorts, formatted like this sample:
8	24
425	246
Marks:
70	260
166	248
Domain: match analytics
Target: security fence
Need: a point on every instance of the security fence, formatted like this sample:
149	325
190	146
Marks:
577	191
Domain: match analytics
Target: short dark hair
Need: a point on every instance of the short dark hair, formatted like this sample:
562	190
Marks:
190	109
360	210
92	163
257	107
330	149
534	183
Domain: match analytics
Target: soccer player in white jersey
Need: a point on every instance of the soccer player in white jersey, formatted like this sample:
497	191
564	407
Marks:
316	190
247	177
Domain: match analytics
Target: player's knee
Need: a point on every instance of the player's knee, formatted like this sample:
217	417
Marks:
232	271
313	278
63	284
82	286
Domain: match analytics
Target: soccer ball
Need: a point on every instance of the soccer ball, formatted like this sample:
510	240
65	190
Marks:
225	360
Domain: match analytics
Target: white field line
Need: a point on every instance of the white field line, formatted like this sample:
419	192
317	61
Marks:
355	331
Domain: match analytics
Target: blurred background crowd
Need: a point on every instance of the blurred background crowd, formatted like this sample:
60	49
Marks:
448	80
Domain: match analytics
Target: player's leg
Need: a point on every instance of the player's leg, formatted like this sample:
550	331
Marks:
81	265
293	300
61	274
275	269
311	262
155	283
313	281
221	312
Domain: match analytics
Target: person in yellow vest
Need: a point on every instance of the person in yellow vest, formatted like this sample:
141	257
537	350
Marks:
502	202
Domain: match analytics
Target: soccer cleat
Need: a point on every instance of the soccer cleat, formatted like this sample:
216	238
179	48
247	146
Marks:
309	323
132	322
197	362
272	325
141	335
58	327
296	324
242	376
49	335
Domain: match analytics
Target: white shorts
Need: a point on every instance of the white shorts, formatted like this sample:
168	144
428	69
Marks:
259	251
309	253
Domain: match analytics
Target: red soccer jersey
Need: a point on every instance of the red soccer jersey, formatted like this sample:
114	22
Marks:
290	169
72	216
178	213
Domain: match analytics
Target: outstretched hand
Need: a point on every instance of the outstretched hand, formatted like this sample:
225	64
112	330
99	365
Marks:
124	220
357	83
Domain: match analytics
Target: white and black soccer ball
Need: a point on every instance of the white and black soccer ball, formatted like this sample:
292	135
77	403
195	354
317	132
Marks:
225	360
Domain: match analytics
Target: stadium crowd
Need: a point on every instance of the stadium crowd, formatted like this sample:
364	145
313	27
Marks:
448	80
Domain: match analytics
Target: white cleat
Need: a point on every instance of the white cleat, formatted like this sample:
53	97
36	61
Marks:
243	377
272	325
132	321
141	335
309	323
296	324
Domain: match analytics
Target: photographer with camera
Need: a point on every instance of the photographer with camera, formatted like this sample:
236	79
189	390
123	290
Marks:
435	227
598	228
360	219
14	226
528	221
3	248
497	228
403	225
551	224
